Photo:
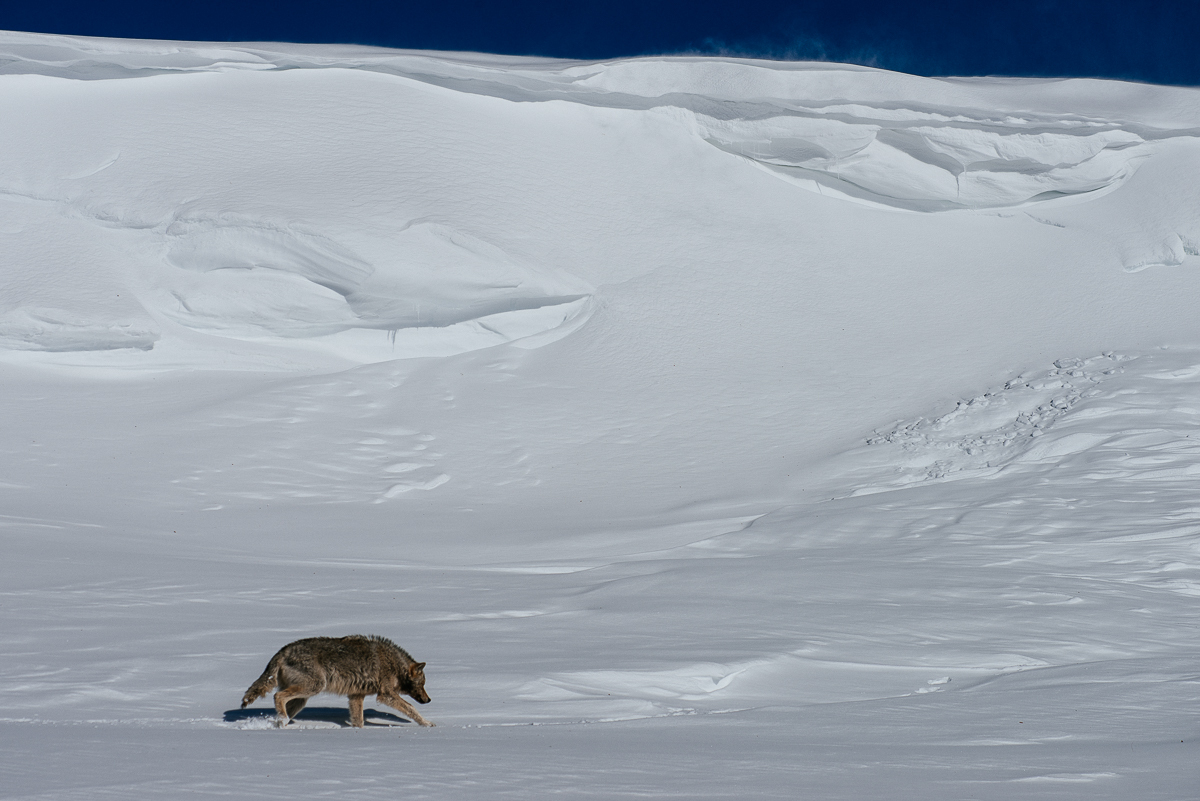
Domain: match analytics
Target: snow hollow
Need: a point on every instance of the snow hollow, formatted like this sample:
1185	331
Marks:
712	427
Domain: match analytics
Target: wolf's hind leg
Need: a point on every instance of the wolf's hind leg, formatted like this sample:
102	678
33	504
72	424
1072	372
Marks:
398	703
356	711
294	706
283	700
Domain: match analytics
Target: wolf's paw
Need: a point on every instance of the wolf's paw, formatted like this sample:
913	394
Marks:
427	724
281	722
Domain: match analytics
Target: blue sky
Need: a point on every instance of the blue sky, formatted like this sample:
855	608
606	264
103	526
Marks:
1154	40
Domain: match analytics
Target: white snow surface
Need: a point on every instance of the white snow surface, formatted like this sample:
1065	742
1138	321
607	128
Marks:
712	427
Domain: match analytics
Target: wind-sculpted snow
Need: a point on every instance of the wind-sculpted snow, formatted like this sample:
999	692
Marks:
903	161
52	330
712	427
136	274
260	278
910	143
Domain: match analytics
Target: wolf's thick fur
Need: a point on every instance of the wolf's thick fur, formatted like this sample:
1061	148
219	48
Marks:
357	666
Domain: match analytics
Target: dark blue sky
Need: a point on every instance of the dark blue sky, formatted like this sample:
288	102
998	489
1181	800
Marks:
1154	40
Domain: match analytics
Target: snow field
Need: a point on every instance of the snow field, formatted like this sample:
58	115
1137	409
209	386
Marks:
712	428
1055	591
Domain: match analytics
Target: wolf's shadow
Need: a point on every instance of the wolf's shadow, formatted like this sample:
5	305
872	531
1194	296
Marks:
326	714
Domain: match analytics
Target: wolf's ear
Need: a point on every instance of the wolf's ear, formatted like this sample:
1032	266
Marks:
418	666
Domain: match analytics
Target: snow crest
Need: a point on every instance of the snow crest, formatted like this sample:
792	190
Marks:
933	160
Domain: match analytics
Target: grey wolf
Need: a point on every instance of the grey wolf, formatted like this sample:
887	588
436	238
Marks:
356	666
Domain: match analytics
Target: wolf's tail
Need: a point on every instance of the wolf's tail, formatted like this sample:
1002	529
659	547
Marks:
264	683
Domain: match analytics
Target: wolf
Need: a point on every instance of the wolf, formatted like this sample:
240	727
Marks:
357	666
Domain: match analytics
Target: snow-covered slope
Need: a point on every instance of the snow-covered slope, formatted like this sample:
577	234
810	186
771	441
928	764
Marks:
775	429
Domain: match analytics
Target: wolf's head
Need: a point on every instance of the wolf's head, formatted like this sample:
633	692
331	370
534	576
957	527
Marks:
412	682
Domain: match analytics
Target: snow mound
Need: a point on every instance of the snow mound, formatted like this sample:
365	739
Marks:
296	297
712	686
259	278
251	279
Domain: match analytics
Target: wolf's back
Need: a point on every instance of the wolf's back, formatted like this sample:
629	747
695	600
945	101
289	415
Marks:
264	683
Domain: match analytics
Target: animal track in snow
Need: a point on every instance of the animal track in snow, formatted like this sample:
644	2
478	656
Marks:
989	431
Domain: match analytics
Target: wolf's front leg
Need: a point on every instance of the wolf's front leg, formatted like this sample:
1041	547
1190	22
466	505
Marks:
356	711
398	703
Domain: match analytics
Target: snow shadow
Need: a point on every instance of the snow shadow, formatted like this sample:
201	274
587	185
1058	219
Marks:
312	716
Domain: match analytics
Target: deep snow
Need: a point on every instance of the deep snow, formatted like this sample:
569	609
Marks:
711	427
